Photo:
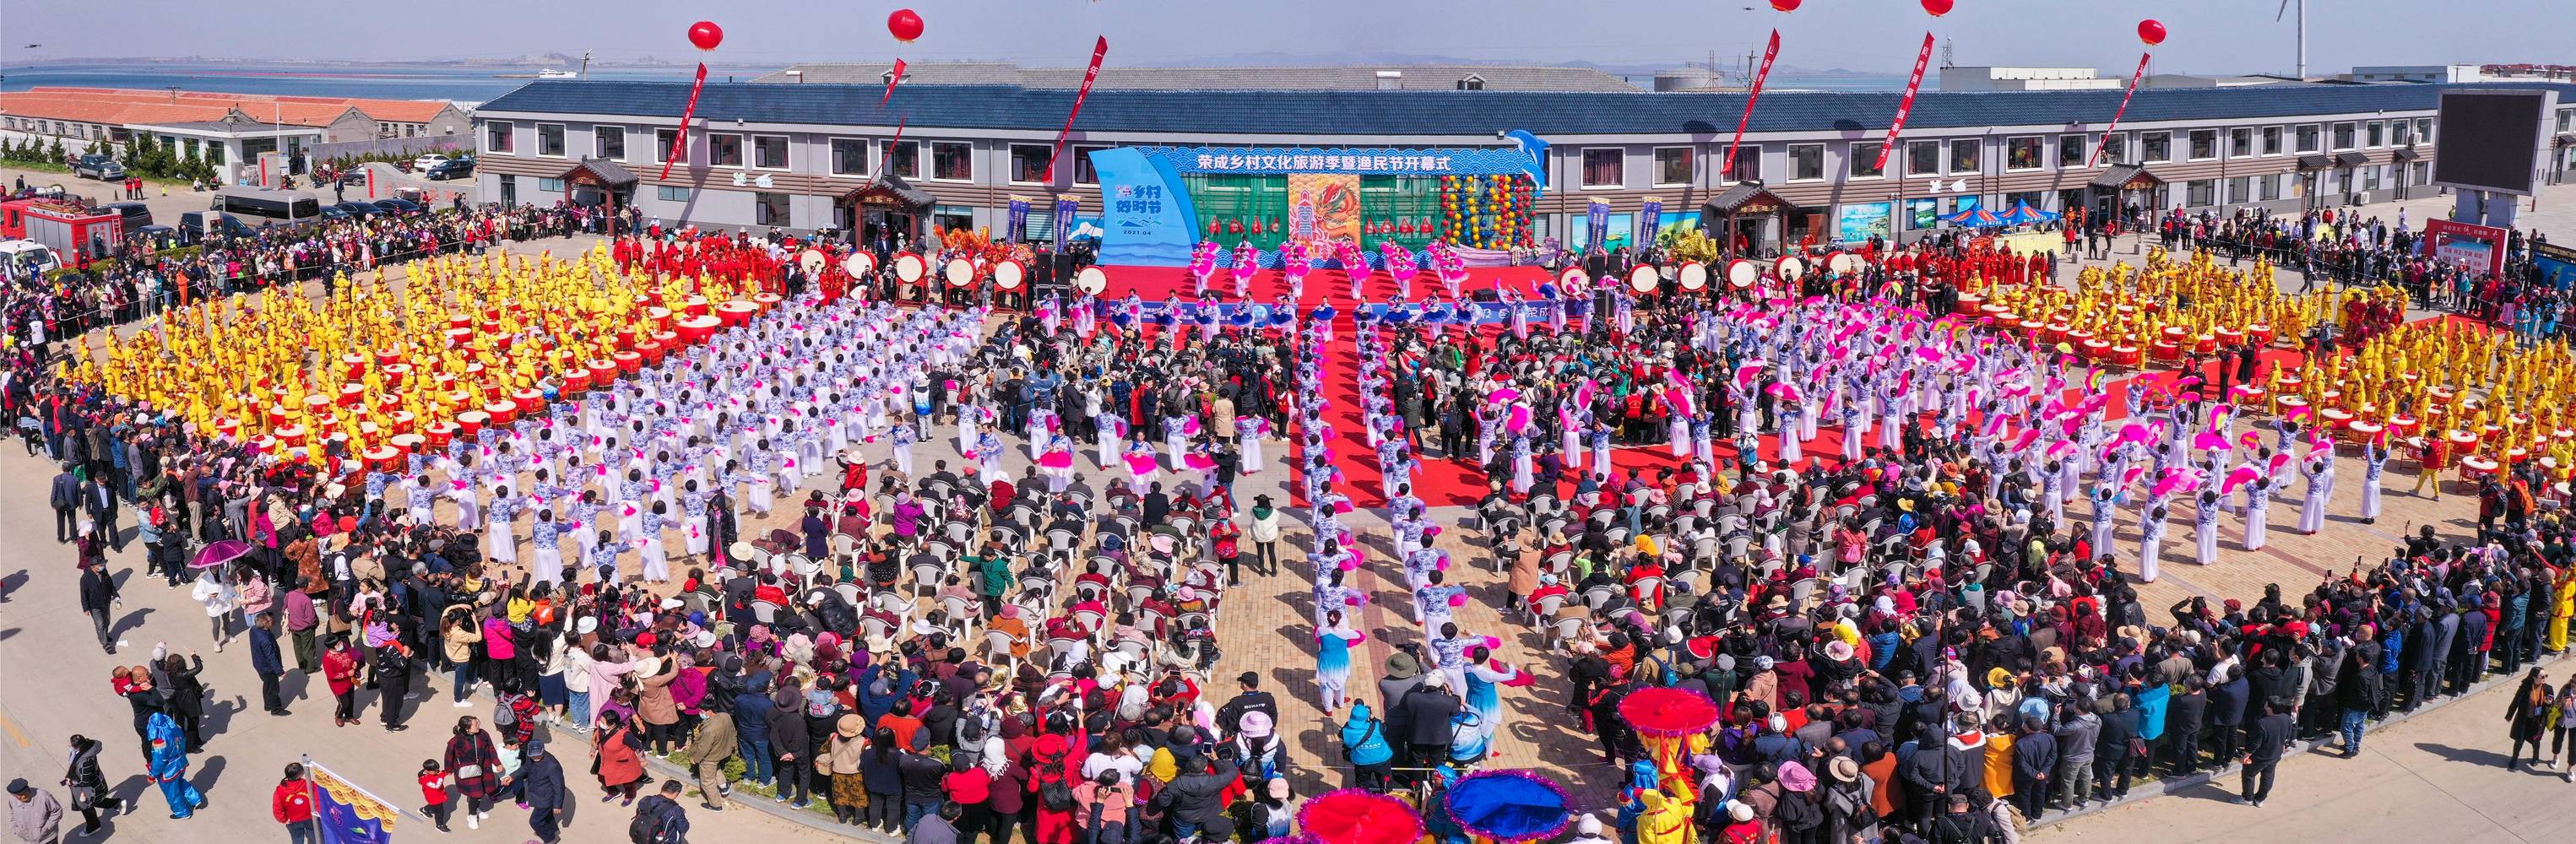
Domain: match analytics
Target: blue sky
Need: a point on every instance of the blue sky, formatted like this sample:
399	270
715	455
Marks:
2208	36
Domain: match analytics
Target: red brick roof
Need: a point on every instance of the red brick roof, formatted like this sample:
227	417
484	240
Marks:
136	106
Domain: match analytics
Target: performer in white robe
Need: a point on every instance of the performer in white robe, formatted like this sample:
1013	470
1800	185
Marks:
2320	492
1248	443
2372	459
2205	526
2258	513
2151	538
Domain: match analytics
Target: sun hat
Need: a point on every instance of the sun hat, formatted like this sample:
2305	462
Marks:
849	726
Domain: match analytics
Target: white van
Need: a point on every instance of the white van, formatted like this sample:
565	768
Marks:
26	257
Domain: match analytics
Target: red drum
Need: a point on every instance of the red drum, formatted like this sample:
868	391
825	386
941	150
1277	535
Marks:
576	380
767	301
397	373
2362	430
695	305
2230	337
385	458
626	338
530	402
736	312
459	320
628	362
292	435
502	412
353	395
669	339
2054	333
2402	424
1967	304
659	317
2477	464
263	444
601	373
2166	350
2206	343
2335	417
470	423
651	351
355	363
278	414
2125	355
697	329
404	422
227	427
440	434
409	443
2260	333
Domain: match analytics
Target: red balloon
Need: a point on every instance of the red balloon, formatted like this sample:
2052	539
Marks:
1937	7
706	34
2151	31
1786	5
905	24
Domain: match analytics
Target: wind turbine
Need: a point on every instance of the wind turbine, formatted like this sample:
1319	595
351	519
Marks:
2303	32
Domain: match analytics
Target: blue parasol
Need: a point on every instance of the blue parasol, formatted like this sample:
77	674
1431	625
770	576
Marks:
1508	807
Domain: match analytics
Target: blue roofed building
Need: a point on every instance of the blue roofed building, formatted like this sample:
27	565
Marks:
804	155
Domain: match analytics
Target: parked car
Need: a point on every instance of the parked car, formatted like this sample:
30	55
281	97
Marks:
399	206
161	237
354	208
98	167
429	160
28	256
137	215
451	169
354	177
196	226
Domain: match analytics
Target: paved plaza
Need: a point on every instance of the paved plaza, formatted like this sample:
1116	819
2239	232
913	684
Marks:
53	682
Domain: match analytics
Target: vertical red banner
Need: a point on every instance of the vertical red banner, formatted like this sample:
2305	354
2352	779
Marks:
893	77
1099	50
1754	96
2122	110
680	139
1912	84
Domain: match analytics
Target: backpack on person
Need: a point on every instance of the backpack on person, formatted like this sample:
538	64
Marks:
1055	795
652	823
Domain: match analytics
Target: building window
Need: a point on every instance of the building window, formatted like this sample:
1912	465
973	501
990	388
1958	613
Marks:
769	209
769	152
1604	168
2021	153
670	193
849	157
662	141
2198	192
496	136
902	159
2266	189
215	154
2240	143
2070	151
550	140
2155	147
1083	172
1806	162
1923	158
1864	162
2343	136
2204	144
608	142
952	160
2402	133
1964	155
555	185
2239	189
1675	166
2115	148
2370	178
724	150
2423	171
1029	163
2424	129
1748	164
2373	133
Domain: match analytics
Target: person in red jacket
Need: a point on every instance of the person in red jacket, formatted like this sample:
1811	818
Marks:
292	805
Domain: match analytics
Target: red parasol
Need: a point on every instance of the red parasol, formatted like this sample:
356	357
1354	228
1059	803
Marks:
1668	712
1355	816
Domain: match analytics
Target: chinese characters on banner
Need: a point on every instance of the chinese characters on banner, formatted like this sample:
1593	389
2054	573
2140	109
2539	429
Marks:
1137	199
1310	163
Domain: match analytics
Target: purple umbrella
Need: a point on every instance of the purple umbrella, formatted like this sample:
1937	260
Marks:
219	553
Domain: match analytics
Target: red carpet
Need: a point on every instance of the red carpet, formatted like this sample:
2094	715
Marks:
1155	283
